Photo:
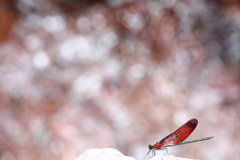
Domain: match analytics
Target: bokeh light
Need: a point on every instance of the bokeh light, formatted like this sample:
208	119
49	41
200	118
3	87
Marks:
76	75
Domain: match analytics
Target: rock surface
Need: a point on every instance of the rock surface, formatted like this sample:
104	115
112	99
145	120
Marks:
113	154
170	157
103	154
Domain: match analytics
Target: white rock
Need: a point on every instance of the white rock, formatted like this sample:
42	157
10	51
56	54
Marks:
113	154
103	154
170	157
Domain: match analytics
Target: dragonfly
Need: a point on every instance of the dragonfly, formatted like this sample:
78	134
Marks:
177	137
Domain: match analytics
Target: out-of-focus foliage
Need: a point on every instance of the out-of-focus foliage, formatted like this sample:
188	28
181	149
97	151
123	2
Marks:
118	73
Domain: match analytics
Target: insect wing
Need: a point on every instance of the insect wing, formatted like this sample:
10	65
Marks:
180	134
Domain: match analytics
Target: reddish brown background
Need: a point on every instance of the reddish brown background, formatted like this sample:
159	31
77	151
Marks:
76	75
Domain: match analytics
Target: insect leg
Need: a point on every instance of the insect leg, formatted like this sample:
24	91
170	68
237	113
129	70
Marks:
153	153
166	153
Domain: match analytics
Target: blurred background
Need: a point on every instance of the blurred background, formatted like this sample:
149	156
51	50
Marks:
123	74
